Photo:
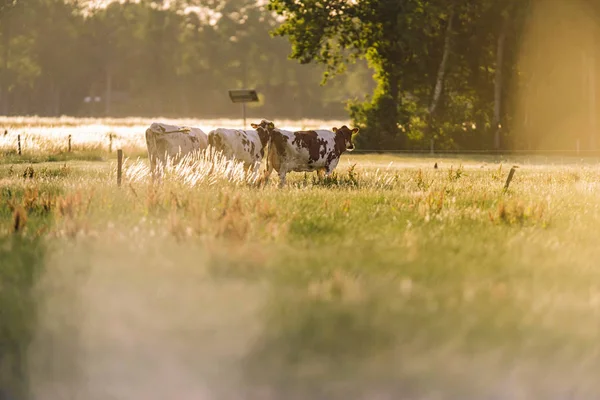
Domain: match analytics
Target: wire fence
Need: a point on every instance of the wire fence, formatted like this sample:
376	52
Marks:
541	152
109	139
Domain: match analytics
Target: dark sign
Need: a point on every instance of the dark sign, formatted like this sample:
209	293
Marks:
243	96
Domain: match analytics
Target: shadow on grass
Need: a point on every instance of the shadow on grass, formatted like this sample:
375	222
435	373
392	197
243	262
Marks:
13	158
22	263
320	340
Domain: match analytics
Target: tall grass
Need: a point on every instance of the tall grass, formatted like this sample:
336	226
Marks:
205	167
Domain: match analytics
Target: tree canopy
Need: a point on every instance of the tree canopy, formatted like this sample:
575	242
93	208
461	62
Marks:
452	72
147	59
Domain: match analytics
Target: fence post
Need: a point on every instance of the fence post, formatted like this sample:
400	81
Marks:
119	166
19	144
110	137
69	143
510	176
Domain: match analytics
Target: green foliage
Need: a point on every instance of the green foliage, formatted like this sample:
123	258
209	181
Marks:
155	60
377	131
405	43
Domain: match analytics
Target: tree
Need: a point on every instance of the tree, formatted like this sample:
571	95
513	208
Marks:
7	8
390	34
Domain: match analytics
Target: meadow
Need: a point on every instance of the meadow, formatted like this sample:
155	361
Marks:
391	279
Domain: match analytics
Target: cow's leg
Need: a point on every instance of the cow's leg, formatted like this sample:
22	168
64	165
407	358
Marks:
153	167
268	171
282	174
329	168
256	172
152	152
159	169
248	169
320	173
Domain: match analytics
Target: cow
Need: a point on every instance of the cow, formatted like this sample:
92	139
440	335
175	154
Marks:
304	151
173	142
247	146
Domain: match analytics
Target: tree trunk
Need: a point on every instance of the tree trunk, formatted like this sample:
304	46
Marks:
56	101
439	83
4	77
387	109
108	91
498	81
592	112
185	101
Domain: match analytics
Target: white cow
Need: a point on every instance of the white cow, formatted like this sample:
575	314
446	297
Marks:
247	146
304	151
172	141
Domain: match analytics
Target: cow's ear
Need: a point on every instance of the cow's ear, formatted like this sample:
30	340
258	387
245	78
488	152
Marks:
254	125
334	129
355	130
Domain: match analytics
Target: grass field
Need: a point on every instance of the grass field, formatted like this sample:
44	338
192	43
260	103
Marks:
391	280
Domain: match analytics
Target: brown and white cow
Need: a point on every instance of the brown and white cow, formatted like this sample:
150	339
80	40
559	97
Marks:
172	142
247	146
304	151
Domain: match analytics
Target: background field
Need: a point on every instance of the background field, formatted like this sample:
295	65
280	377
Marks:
47	139
390	280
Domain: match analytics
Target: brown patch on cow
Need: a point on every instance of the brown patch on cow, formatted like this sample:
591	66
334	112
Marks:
338	148
263	135
274	160
330	157
278	140
323	144
311	141
340	144
216	141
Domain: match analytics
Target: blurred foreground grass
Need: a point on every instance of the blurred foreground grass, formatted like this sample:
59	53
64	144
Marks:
385	281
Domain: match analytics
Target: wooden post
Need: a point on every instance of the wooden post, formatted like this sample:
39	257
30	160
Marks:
119	166
5	132
69	143
510	176
592	86
19	143
110	135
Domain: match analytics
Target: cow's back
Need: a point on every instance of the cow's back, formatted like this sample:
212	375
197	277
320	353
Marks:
165	140
242	145
201	136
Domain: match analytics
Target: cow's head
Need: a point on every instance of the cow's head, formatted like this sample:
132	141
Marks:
264	129
346	133
265	124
